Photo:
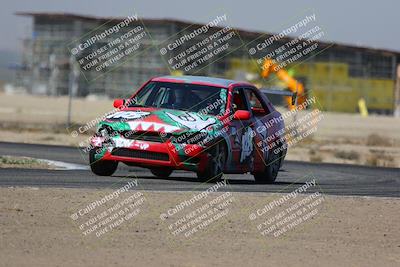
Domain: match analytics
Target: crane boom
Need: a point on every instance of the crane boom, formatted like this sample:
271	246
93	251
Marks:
292	84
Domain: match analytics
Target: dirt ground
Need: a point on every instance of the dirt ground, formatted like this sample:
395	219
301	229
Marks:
37	230
339	138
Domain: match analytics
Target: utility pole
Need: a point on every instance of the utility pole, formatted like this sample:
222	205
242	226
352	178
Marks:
73	85
53	79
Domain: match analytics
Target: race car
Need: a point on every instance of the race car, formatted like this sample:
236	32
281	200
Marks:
206	125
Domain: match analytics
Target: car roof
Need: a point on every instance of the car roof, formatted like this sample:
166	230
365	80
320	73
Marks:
211	81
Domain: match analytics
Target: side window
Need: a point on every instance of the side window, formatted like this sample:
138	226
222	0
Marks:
255	103
239	101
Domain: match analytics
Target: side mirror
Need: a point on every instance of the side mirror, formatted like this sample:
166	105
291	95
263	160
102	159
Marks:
242	115
119	103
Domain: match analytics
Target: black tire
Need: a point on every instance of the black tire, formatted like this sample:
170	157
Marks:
214	169
101	167
161	173
268	176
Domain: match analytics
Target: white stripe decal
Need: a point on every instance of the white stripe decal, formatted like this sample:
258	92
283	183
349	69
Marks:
147	125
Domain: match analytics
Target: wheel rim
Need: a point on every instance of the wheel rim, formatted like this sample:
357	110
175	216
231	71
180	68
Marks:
219	161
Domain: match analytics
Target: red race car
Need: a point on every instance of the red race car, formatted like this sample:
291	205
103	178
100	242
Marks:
206	125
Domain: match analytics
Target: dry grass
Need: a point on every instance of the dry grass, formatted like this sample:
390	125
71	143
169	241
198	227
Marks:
348	155
314	155
316	158
21	162
17	160
377	140
380	159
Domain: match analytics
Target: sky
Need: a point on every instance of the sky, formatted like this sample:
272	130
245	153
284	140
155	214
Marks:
363	23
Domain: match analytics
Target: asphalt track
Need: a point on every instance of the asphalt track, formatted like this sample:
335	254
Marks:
333	179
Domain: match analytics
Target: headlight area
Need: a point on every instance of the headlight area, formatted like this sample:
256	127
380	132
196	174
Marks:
103	136
104	131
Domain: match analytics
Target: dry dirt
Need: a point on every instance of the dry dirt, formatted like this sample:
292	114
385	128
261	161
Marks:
36	230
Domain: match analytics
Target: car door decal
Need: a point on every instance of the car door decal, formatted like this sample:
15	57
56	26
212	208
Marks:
247	144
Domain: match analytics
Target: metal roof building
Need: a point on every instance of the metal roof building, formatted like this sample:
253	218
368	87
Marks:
47	68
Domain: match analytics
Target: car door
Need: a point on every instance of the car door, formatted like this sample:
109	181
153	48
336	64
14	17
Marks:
241	135
260	116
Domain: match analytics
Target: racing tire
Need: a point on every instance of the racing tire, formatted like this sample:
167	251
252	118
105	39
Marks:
101	167
268	176
214	169
161	173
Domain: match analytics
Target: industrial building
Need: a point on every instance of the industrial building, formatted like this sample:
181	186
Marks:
339	76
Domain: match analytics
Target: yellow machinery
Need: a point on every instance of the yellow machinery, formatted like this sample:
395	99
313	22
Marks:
329	82
292	84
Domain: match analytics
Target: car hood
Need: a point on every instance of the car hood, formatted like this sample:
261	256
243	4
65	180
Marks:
161	120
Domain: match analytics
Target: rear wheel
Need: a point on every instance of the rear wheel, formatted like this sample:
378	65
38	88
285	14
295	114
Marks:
268	176
215	167
101	167
162	173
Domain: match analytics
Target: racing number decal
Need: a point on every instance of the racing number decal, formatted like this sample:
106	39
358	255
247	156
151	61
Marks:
186	117
247	144
191	121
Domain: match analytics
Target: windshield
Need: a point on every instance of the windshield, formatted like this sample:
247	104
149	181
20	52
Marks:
204	99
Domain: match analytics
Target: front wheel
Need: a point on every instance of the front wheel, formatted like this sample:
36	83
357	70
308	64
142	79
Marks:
268	176
215	167
101	167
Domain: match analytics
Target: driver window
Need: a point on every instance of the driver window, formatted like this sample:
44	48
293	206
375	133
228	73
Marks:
255	103
239	100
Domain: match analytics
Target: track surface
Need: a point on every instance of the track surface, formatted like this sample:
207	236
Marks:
335	179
